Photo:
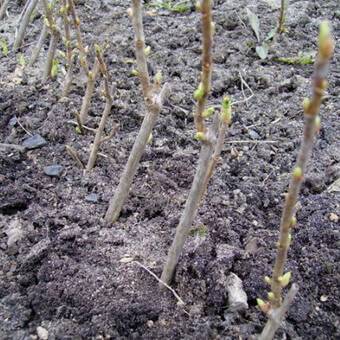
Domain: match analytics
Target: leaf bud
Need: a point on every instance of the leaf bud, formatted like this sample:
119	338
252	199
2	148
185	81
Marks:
200	136
284	279
199	92
297	173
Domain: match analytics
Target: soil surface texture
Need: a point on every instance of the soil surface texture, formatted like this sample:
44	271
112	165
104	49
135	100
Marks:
64	274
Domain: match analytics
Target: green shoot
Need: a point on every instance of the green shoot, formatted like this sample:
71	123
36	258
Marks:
301	59
279	279
4	47
172	6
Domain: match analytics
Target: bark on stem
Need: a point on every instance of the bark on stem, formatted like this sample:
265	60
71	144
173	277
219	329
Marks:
37	49
137	21
311	109
91	81
69	51
3	9
189	212
106	112
122	191
91	75
153	103
282	17
277	315
210	148
50	57
207	31
55	36
76	21
216	156
24	21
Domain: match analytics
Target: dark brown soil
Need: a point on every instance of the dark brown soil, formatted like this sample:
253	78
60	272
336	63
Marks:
60	266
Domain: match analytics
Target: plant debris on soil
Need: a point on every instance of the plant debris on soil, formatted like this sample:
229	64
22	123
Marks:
61	268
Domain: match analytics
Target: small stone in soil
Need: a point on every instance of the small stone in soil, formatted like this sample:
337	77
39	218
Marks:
254	135
92	198
53	170
333	217
34	142
42	333
13	121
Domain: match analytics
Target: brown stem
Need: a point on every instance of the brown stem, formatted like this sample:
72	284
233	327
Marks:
106	112
76	22
50	57
189	213
91	75
282	17
216	156
24	21
80	126
153	103
312	109
210	151
91	81
55	36
74	154
37	49
207	31
3	9
137	21
277	315
69	51
125	182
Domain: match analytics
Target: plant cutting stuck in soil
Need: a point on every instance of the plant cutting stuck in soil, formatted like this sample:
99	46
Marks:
146	203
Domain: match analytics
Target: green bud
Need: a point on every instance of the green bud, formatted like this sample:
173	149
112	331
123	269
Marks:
284	279
324	31
200	136
326	44
317	123
208	112
46	22
293	222
147	50
55	68
289	239
260	302
297	173
97	49
306	105
199	93
158	78
134	73
226	114
82	62
150	139
267	280
90	75
198	6
226	103
271	296
213	27
78	131
264	306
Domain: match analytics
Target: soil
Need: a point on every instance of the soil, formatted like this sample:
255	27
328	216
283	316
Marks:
63	269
